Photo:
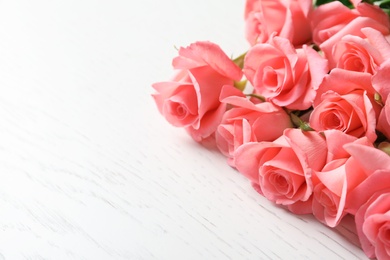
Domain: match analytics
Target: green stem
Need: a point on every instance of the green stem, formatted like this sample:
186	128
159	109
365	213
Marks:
298	122
256	96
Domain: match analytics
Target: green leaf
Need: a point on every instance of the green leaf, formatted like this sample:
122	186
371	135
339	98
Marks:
344	2
384	4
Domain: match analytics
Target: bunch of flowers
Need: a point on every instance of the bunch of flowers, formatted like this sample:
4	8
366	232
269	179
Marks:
304	114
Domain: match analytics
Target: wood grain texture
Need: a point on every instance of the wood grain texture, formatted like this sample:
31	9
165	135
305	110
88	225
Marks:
90	170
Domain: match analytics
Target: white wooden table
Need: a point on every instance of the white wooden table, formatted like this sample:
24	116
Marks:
90	170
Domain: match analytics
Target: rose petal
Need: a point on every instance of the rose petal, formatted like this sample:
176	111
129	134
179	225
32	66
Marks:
247	158
206	53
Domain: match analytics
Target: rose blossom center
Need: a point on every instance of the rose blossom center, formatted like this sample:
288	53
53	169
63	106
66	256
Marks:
178	109
327	201
280	183
270	77
332	121
355	60
354	63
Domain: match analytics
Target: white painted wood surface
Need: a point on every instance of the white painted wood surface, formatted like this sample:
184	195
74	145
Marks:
90	170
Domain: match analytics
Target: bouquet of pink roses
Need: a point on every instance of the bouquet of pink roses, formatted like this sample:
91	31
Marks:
304	114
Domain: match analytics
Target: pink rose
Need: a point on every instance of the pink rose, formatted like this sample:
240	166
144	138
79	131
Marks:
249	122
373	224
345	102
330	18
332	21
283	169
191	99
380	82
285	76
288	19
370	160
339	176
361	54
370	201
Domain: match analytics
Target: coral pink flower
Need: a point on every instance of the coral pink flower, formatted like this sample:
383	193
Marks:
283	168
345	102
332	21
191	98
249	122
339	176
370	201
288	19
361	54
285	76
373	224
380	82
